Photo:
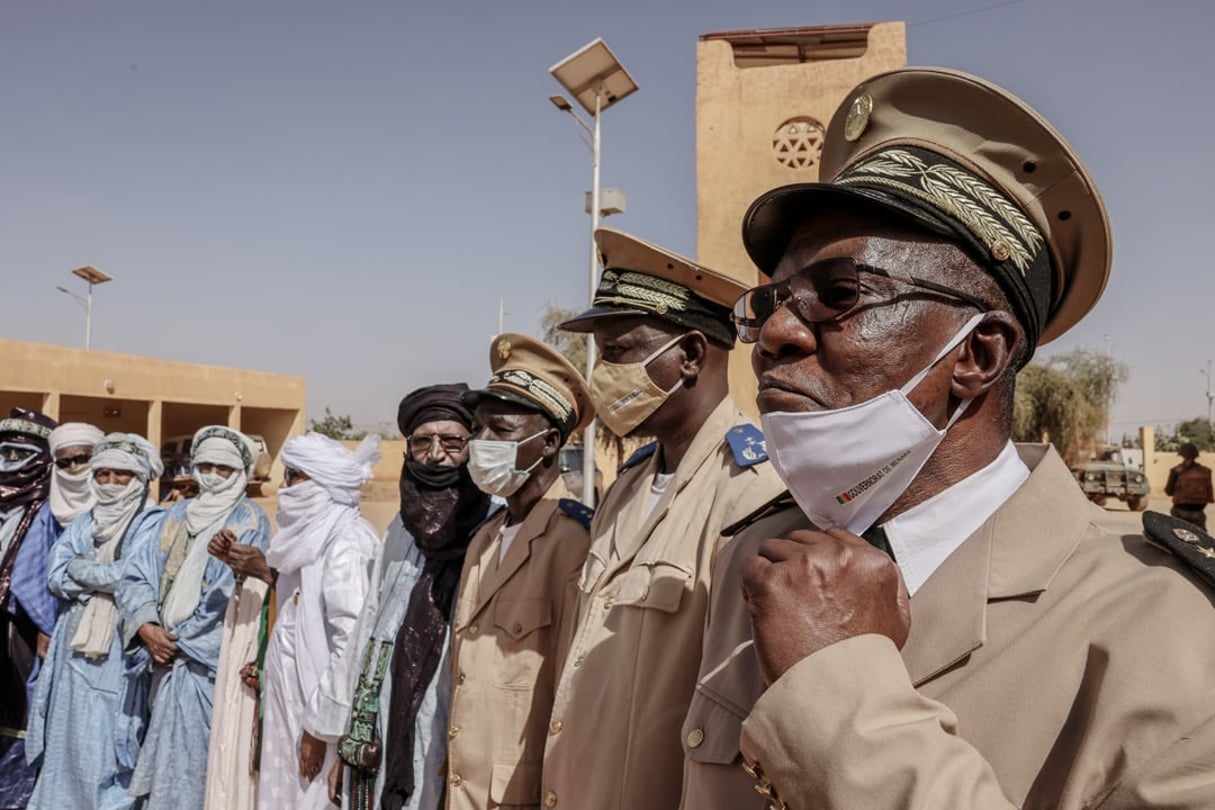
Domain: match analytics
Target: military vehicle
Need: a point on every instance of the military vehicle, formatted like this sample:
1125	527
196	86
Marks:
1109	476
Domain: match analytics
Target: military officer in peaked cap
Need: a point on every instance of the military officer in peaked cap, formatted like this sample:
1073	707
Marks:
517	598
662	326
934	617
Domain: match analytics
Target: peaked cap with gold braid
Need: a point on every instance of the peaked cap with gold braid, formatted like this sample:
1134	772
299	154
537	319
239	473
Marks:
641	278
967	160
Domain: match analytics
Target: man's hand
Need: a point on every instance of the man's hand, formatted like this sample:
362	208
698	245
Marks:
312	756
335	782
248	561
159	642
811	589
221	541
44	645
248	676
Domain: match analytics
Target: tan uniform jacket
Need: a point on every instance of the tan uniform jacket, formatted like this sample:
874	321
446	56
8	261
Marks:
511	628
1054	661
630	672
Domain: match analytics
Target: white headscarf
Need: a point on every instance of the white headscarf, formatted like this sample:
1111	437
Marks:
216	495
71	495
309	511
311	514
206	514
117	506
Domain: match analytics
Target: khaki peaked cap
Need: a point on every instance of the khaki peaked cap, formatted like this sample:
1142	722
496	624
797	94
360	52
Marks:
529	372
642	278
966	159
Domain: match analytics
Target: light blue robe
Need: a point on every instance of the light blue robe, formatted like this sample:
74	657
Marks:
74	723
172	767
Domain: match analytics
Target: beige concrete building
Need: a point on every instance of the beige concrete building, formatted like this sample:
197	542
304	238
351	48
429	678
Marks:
159	399
763	99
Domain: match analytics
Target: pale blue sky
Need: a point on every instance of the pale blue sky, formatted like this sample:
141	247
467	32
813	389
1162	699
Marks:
342	190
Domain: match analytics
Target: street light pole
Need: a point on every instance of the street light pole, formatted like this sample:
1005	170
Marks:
596	80
1210	397
92	277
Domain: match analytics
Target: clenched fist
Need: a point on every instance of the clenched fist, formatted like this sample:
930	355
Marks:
811	589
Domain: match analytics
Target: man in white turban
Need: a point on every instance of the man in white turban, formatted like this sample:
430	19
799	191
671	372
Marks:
78	720
71	495
323	552
173	601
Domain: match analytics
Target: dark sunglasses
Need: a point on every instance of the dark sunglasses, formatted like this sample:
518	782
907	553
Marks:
72	461
450	442
823	291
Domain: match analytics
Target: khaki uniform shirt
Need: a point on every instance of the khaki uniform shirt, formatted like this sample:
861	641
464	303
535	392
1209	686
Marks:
614	739
512	626
1055	661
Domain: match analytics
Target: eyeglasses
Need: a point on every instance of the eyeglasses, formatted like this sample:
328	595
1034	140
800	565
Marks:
450	442
73	461
823	291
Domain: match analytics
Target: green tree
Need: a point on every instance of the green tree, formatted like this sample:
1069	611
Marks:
1196	430
1065	400
336	427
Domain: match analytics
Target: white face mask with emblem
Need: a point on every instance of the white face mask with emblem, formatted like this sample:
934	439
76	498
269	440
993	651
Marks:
845	467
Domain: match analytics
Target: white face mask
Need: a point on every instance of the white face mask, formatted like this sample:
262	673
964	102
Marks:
210	482
491	465
845	467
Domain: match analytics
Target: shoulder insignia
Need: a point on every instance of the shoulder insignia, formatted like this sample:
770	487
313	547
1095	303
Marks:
577	510
747	444
641	455
780	503
1185	541
493	513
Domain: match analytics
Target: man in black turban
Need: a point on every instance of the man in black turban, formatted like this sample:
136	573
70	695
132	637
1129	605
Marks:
25	484
401	640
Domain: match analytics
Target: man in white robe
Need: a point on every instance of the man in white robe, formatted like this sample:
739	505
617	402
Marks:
323	552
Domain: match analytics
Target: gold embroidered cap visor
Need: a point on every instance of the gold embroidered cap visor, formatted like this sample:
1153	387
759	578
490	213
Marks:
964	159
529	372
641	278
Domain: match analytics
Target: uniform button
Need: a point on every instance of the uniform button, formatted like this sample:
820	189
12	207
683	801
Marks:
518	628
750	769
607	603
472	629
550	799
460	679
555	727
452	732
579	660
645	593
456	780
695	737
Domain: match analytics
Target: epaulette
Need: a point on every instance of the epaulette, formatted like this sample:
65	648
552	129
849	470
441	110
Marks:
493	513
1185	541
780	503
577	510
747	444
641	455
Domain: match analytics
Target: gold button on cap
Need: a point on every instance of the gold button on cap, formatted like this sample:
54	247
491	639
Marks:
695	737
555	727
550	799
